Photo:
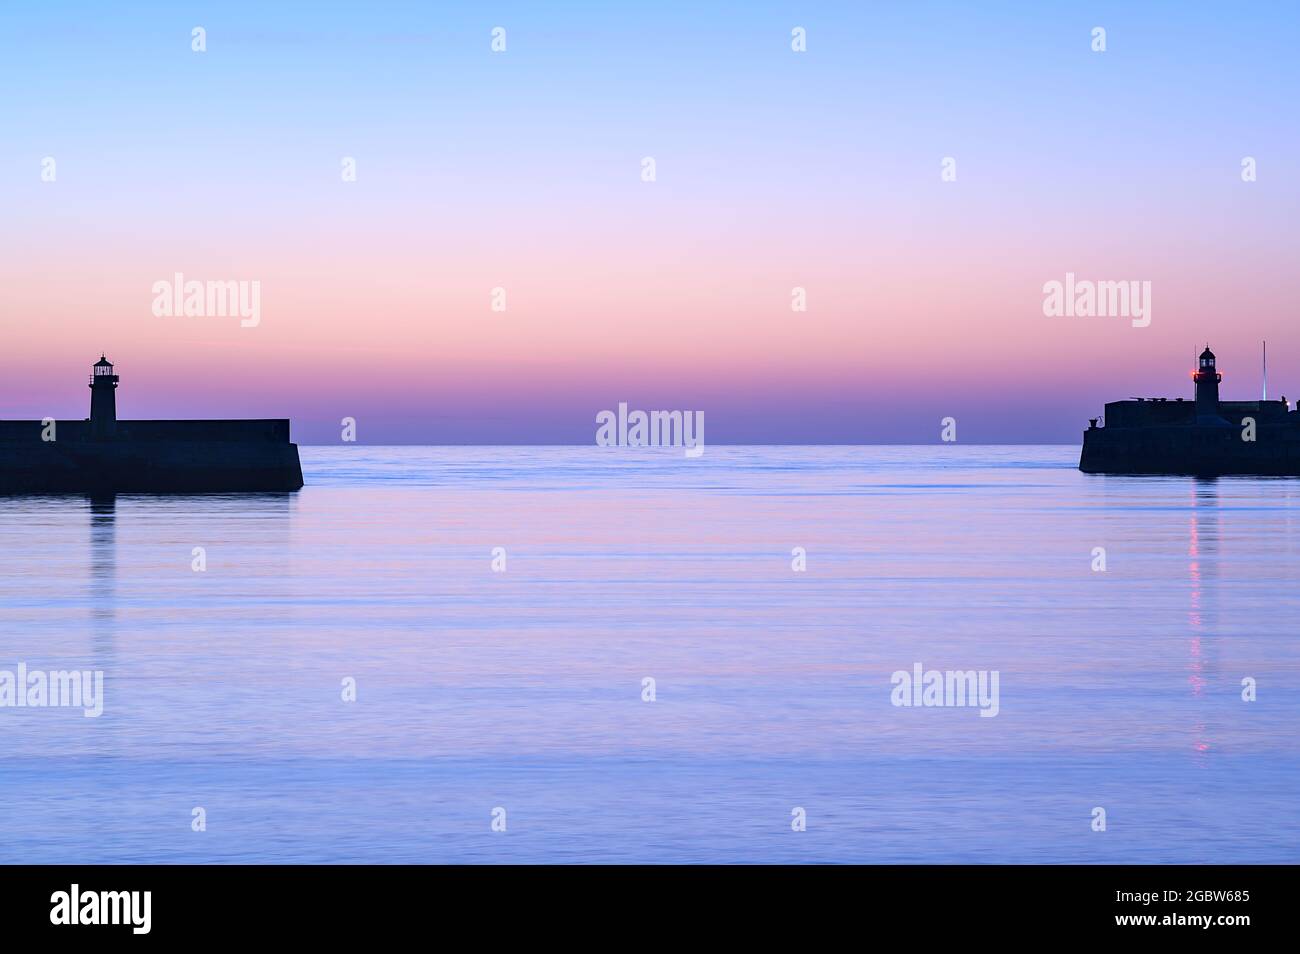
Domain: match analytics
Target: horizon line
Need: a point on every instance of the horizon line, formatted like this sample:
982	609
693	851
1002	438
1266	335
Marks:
717	444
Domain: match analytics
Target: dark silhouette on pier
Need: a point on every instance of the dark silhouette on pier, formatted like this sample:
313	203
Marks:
102	455
1205	437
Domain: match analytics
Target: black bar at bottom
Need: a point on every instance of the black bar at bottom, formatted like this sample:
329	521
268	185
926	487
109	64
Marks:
335	903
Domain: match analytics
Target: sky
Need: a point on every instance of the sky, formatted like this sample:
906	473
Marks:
523	170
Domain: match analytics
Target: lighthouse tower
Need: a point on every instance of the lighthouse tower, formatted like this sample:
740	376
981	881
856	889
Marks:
1207	388
103	399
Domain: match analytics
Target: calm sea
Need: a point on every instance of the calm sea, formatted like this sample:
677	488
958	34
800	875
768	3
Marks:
523	688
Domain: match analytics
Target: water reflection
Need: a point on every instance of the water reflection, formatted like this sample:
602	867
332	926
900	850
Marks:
224	686
254	525
1205	534
103	563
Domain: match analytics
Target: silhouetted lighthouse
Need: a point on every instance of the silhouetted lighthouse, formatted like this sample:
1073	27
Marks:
1204	437
103	399
100	455
1207	388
